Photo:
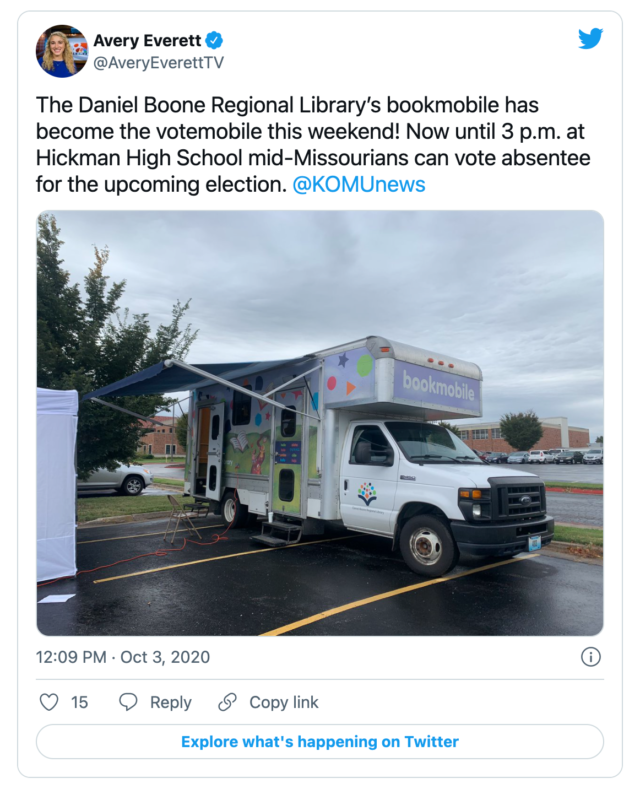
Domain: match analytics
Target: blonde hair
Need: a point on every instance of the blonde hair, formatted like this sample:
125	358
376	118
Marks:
67	56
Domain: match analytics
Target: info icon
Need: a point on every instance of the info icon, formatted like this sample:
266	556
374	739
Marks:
591	657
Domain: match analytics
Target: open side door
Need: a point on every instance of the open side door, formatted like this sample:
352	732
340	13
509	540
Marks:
215	433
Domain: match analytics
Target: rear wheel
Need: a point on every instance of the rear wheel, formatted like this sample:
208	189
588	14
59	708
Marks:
132	485
427	546
234	513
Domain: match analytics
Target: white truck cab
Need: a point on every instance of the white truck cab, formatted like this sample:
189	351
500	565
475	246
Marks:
417	483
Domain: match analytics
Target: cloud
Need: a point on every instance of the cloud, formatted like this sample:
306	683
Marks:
519	293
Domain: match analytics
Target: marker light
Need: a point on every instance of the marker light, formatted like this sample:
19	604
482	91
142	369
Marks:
430	360
464	493
476	494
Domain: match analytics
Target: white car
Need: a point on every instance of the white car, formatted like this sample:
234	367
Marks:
540	457
128	479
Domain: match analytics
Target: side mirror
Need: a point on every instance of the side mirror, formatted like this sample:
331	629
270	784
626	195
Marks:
387	452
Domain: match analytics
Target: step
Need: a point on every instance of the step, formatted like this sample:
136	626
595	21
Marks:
285	527
270	541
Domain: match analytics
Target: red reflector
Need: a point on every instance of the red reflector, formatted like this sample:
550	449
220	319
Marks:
441	363
451	365
384	349
430	360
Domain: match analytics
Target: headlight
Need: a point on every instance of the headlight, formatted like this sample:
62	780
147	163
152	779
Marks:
475	504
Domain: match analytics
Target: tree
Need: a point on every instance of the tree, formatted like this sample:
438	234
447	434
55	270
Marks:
600	440
85	343
521	431
182	428
453	428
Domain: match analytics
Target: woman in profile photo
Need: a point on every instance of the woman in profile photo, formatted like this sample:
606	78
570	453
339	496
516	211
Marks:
58	57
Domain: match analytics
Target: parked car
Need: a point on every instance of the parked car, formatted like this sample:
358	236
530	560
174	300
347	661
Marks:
557	451
594	457
568	457
128	479
497	458
540	457
518	458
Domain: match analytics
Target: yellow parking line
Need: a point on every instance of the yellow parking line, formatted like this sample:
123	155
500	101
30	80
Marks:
375	598
142	535
230	555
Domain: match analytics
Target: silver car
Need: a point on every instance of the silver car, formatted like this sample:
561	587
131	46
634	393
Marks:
593	457
128	479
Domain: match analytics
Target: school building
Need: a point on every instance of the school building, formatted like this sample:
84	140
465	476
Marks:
556	433
161	439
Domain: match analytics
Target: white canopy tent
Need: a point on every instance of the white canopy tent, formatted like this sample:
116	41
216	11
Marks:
56	481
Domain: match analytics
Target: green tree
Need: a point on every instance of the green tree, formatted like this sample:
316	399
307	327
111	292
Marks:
85	343
182	429
600	440
453	428
521	431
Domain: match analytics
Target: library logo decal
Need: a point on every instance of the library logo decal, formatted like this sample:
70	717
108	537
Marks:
367	493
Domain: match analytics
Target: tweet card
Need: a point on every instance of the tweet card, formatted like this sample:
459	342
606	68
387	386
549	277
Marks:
317	353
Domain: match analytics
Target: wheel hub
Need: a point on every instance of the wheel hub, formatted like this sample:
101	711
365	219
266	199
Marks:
426	546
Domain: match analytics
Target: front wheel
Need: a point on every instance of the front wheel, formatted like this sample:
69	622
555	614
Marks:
132	485
234	513
427	546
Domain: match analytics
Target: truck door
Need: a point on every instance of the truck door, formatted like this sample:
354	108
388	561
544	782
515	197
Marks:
368	479
215	433
289	457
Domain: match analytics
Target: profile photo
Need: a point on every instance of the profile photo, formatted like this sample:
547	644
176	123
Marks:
62	51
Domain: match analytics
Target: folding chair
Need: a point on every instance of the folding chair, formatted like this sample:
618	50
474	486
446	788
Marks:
178	515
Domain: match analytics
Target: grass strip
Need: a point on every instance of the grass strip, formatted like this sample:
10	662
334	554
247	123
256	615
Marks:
98	507
168	481
584	536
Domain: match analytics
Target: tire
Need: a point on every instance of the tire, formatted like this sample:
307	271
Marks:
427	546
234	514
132	486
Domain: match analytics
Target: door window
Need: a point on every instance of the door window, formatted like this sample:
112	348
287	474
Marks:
215	427
286	485
370	446
288	422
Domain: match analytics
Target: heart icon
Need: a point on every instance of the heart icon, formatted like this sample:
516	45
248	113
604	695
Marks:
49	701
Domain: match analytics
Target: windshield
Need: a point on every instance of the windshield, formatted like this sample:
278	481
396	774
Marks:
597	452
518	454
422	440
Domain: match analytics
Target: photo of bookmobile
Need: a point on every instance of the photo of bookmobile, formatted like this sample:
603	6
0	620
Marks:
348	435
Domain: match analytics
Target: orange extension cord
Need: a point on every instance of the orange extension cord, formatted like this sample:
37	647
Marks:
218	537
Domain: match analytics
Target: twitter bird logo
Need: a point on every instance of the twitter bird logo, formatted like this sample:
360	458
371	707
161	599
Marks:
590	40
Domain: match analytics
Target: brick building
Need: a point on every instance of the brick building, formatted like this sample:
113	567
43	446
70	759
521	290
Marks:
556	433
161	439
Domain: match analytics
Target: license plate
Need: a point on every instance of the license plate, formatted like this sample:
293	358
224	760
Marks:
535	543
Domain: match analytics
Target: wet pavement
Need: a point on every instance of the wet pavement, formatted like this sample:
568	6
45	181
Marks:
235	587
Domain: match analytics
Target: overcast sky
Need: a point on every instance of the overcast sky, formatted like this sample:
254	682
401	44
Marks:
518	293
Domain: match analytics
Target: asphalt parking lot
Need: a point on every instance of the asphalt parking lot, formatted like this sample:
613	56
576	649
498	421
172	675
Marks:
342	584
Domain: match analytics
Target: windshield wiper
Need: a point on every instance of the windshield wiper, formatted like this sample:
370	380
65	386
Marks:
427	456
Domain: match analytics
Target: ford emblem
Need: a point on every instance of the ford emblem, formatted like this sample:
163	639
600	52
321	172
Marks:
525	500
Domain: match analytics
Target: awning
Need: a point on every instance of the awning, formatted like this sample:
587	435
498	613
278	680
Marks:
162	379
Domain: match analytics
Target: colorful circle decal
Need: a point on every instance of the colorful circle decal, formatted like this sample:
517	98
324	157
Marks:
332	383
314	401
365	365
258	420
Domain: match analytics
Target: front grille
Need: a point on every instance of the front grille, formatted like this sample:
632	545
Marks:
507	494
